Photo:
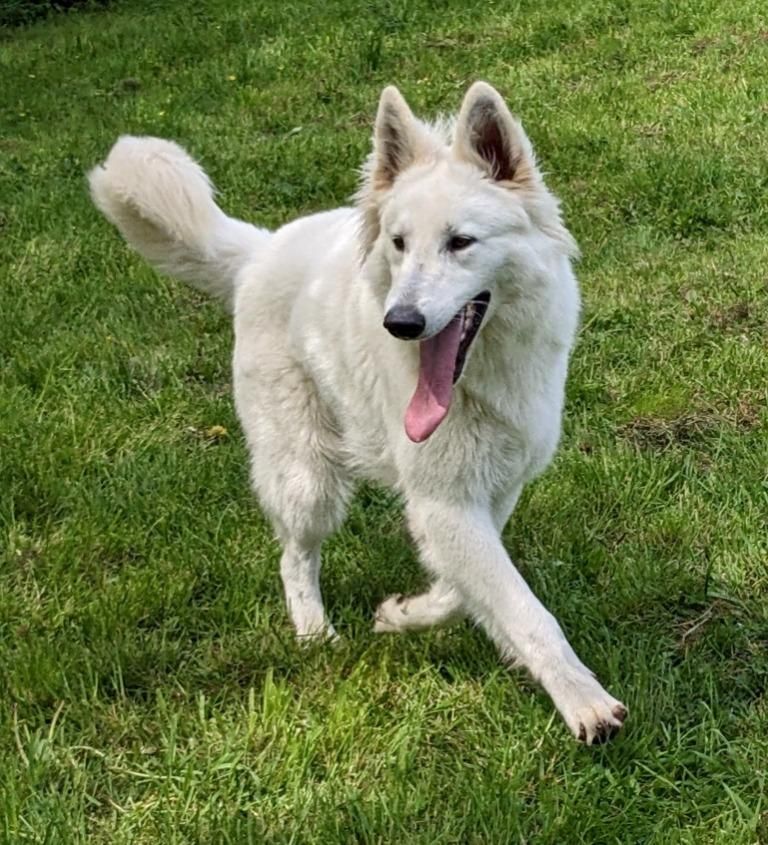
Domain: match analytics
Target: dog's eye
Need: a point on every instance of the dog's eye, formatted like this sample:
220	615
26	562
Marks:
398	242
459	242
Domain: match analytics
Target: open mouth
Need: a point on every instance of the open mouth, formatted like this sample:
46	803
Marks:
471	316
441	362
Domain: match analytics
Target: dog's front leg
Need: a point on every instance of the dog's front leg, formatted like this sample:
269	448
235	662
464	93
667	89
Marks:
461	544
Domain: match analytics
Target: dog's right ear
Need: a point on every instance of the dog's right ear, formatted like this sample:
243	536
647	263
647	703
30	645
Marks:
394	138
398	141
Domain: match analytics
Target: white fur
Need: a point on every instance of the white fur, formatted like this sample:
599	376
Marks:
321	388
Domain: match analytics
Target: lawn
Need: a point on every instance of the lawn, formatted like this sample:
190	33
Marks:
150	689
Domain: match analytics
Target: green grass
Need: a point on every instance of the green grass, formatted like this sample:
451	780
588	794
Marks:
17	12
150	690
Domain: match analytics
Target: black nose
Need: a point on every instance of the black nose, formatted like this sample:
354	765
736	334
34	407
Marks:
404	321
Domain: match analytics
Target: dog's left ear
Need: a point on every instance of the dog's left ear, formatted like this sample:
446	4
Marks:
488	135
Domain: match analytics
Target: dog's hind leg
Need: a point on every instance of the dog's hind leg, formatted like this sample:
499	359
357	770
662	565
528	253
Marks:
300	572
441	604
302	525
306	501
300	486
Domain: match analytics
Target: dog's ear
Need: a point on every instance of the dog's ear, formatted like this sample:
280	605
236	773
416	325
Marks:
394	138
398	140
488	135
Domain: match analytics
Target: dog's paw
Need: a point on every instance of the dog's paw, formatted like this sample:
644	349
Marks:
597	718
598	724
391	615
311	635
309	621
593	715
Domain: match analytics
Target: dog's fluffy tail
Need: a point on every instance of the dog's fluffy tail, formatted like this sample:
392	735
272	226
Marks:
162	202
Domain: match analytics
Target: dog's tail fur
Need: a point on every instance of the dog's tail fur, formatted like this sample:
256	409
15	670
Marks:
162	202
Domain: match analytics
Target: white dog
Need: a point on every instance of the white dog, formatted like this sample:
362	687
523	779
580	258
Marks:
418	340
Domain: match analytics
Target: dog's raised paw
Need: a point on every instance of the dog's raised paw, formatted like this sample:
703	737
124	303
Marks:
389	616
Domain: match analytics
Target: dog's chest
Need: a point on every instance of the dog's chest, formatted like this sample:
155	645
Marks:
481	452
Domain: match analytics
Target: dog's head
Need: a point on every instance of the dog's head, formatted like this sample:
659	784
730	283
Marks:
456	217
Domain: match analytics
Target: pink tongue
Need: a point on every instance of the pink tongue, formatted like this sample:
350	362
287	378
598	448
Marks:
430	402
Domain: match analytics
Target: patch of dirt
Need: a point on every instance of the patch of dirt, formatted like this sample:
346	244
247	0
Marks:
666	79
650	130
701	45
746	415
658	433
729	41
725	318
649	432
